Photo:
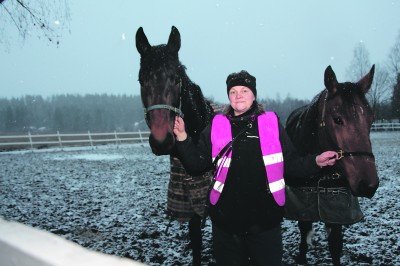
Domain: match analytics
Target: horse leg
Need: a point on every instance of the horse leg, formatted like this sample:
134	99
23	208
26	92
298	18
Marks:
305	239
335	242
195	238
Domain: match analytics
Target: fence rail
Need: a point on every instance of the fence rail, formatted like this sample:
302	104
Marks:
385	126
38	141
32	141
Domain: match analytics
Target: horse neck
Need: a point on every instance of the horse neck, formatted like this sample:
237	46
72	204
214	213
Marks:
309	121
197	110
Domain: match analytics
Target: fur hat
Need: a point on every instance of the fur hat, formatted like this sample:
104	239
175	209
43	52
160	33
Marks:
242	78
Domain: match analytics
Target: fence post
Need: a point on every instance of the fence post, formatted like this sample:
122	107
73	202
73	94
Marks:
90	139
30	139
116	137
140	135
59	138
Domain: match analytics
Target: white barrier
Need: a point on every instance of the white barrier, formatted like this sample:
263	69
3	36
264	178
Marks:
21	245
385	127
62	140
92	139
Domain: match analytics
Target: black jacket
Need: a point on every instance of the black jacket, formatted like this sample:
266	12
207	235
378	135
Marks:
246	204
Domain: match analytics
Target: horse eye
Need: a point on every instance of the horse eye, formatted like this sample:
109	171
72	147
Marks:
338	120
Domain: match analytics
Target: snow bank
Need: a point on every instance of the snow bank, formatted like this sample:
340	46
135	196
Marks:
23	245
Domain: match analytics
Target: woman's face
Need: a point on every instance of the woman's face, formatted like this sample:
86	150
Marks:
241	99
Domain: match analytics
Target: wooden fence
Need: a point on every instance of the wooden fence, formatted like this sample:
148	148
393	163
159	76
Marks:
40	141
385	126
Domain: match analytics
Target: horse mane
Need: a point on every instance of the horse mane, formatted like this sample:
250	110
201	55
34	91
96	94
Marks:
197	109
302	126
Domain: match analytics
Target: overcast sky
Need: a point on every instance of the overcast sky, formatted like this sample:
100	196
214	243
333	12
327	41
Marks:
286	44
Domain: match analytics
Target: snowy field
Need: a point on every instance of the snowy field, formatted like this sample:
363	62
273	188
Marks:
112	199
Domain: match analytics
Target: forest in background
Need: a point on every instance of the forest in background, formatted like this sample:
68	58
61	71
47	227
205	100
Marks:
102	113
71	113
92	112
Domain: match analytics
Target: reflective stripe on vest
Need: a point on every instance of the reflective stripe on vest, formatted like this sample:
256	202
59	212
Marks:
268	128
220	136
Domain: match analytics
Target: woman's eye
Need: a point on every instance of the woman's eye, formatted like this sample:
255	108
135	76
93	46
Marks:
338	120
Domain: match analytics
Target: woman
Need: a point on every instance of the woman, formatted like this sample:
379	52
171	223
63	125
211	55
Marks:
246	202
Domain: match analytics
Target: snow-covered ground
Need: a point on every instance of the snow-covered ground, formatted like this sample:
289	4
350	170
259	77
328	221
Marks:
112	199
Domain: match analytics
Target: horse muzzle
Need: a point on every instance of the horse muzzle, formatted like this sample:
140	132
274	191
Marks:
162	147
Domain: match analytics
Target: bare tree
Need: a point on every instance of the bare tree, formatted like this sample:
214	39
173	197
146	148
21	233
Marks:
380	92
394	59
44	18
360	64
393	63
396	99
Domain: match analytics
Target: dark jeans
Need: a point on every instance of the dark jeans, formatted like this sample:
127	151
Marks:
260	249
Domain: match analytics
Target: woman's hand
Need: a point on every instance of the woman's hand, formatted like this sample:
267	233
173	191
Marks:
326	158
179	129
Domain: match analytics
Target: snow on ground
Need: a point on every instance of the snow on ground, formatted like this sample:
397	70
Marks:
112	199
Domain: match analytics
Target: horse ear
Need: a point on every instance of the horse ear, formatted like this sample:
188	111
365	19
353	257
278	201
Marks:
142	44
330	80
174	41
366	81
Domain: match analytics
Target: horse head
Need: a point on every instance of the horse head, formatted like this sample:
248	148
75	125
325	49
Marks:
160	88
345	120
167	91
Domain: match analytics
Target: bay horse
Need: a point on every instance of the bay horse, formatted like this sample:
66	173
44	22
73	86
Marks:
166	91
338	118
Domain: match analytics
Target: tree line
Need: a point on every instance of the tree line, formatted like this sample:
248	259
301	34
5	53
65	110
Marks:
100	113
92	112
105	113
71	113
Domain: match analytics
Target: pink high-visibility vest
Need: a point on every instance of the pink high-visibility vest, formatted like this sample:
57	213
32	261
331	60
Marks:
268	129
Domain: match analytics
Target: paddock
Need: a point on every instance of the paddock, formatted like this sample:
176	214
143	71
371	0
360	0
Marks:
111	199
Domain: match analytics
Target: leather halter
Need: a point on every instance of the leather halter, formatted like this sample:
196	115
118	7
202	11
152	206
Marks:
166	106
341	152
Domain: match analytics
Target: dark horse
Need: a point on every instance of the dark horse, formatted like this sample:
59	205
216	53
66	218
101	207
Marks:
339	118
166	92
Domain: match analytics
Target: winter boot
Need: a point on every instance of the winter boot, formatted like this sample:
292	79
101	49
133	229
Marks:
305	239
195	239
335	242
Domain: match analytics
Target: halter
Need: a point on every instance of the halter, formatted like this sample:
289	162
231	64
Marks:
166	106
342	154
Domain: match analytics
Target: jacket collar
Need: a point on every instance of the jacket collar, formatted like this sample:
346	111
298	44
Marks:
250	114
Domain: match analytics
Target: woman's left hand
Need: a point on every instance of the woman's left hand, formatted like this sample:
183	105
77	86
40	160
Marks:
179	129
326	158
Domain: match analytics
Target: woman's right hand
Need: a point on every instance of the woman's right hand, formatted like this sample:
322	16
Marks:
179	129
